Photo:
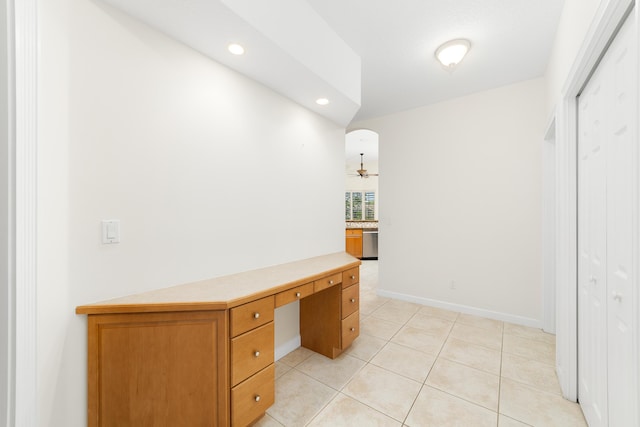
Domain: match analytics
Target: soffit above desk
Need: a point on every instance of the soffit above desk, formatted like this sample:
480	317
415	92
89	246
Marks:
288	46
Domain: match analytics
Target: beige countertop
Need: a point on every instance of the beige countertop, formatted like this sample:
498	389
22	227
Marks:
228	291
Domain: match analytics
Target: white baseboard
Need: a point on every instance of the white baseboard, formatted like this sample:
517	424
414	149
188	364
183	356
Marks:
286	348
505	317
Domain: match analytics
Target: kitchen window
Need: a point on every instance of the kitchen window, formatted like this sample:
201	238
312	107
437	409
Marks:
359	205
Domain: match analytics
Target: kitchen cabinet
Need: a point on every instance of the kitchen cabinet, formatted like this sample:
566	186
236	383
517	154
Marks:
353	242
203	353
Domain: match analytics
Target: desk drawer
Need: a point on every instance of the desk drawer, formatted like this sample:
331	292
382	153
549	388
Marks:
251	398
286	297
350	300
249	316
350	329
251	352
350	277
327	282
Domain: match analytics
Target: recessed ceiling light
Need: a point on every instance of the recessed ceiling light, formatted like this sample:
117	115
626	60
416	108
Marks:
322	101
236	49
452	52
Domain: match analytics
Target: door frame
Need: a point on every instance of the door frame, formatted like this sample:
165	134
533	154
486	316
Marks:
609	16
21	205
548	228
6	233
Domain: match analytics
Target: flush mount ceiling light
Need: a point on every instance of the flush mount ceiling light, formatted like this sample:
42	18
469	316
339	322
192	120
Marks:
236	49
451	53
322	101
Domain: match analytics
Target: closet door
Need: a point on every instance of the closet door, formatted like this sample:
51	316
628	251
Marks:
592	253
622	134
607	131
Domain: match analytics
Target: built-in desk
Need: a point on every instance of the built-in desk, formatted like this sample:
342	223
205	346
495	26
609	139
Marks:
203	353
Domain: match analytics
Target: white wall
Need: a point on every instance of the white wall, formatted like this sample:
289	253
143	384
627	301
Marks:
208	172
572	28
462	202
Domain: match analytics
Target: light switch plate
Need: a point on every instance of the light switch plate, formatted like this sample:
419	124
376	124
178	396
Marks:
110	231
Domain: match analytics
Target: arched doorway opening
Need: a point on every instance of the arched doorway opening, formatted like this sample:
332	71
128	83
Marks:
361	193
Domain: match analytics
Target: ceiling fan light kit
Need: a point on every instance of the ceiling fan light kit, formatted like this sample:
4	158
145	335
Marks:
362	171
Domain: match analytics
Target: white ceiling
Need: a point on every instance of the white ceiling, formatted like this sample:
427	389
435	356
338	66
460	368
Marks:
396	40
305	49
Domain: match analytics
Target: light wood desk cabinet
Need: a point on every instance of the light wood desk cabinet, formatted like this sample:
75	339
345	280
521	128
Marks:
203	353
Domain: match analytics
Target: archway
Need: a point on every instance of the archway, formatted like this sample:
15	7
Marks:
361	193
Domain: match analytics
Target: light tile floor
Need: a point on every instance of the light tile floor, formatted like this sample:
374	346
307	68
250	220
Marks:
422	366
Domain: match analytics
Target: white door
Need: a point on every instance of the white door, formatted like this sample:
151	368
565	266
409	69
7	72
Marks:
607	130
592	221
622	134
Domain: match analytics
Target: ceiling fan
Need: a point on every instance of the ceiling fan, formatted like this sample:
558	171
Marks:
362	172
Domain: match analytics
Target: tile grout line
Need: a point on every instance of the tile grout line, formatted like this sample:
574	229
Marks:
454	395
403	422
338	391
368	362
438	357
424	383
502	352
322	409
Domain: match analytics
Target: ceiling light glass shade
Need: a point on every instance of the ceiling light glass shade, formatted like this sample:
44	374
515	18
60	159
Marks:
236	49
452	52
322	101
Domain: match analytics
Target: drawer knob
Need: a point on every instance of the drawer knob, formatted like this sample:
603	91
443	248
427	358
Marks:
352	329
353	300
331	282
297	294
257	398
353	277
256	315
256	354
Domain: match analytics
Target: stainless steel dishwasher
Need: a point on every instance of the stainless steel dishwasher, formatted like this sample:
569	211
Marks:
370	243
